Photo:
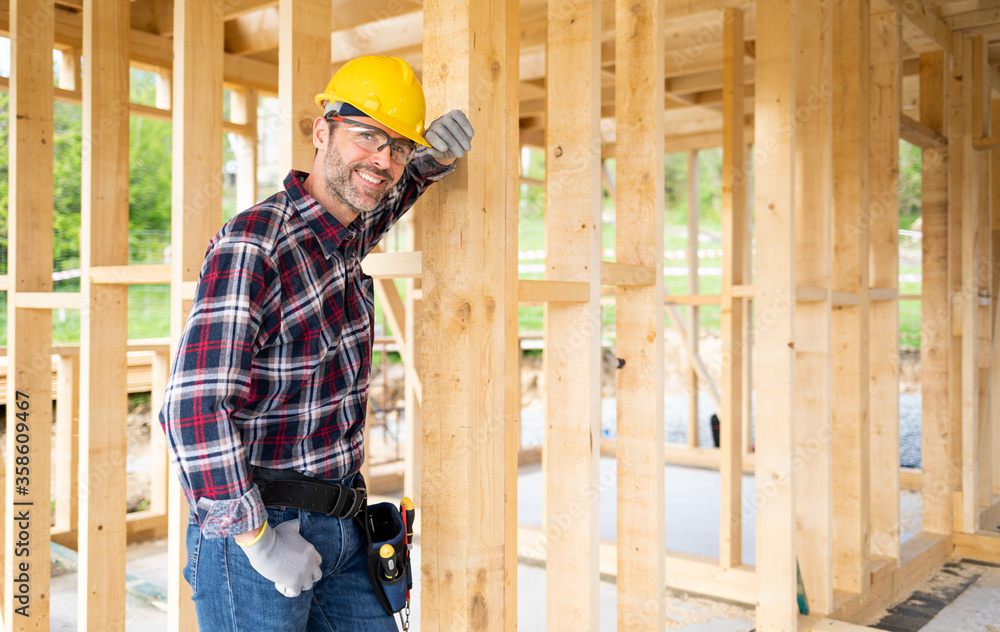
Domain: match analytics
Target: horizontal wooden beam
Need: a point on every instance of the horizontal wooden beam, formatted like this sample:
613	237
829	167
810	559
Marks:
990	142
883	294
685	572
916	133
392	265
983	546
130	275
922	18
533	291
692	299
743	291
47	300
811	294
844	298
623	274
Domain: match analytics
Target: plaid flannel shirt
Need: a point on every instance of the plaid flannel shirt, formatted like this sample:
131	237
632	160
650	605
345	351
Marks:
273	365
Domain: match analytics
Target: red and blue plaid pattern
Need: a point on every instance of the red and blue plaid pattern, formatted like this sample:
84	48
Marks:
273	365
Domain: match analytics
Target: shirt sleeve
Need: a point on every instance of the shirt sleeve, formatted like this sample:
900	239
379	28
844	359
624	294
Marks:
420	173
210	380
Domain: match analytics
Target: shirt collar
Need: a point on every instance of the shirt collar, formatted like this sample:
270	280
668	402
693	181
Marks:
330	233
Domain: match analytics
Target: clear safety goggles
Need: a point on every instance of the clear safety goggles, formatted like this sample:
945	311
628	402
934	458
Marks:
373	139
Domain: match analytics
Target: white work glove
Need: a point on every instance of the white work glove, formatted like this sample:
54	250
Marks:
286	558
450	136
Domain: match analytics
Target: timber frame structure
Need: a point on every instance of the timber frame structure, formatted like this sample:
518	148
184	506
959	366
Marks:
821	89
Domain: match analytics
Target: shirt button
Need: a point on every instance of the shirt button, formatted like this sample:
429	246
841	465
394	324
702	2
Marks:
351	235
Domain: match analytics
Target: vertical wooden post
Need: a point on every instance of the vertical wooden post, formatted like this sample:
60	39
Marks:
885	105
994	171
734	180
104	318
196	216
851	219
640	431
572	330
963	202
467	291
161	481
414	311
694	204
164	90
243	109
983	270
774	375
71	70
813	421
746	406
956	161
160	473
67	442
29	331
935	328
303	71
512	344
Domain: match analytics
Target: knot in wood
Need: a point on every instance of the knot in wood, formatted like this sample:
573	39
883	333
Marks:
558	151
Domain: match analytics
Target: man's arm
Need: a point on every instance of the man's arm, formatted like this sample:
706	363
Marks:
210	382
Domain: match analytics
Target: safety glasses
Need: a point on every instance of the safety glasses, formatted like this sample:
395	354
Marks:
373	139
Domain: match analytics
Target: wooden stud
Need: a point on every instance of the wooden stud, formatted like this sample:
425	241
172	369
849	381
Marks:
734	194
850	336
67	444
983	270
303	72
774	375
413	308
572	331
692	261
994	171
885	85
160	462
467	292
956	195
29	332
71	71
935	330
639	317
512	356
104	319
813	485
243	110
197	215
746	431
964	200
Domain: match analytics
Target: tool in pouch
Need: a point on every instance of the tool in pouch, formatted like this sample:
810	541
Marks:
389	535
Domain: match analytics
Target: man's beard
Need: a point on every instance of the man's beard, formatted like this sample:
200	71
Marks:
337	180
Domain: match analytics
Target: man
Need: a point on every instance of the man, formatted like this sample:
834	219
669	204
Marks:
264	410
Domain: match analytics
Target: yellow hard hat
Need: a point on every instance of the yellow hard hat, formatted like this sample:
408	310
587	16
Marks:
385	89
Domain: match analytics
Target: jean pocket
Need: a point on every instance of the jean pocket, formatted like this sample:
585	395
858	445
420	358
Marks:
193	544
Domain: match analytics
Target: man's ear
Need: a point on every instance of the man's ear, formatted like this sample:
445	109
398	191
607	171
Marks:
321	132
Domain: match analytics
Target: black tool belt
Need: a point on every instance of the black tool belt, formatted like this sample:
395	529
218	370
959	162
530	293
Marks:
288	488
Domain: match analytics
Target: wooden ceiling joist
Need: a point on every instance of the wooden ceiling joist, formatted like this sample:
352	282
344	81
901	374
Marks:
155	51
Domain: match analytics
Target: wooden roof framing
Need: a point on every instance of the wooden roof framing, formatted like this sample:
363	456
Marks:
693	50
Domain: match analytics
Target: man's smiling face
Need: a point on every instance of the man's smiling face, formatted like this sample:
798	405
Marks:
360	179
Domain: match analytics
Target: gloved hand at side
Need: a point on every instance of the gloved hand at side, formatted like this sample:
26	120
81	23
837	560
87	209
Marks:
450	136
285	557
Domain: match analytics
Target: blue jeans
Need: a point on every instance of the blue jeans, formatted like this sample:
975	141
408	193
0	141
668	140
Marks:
230	596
